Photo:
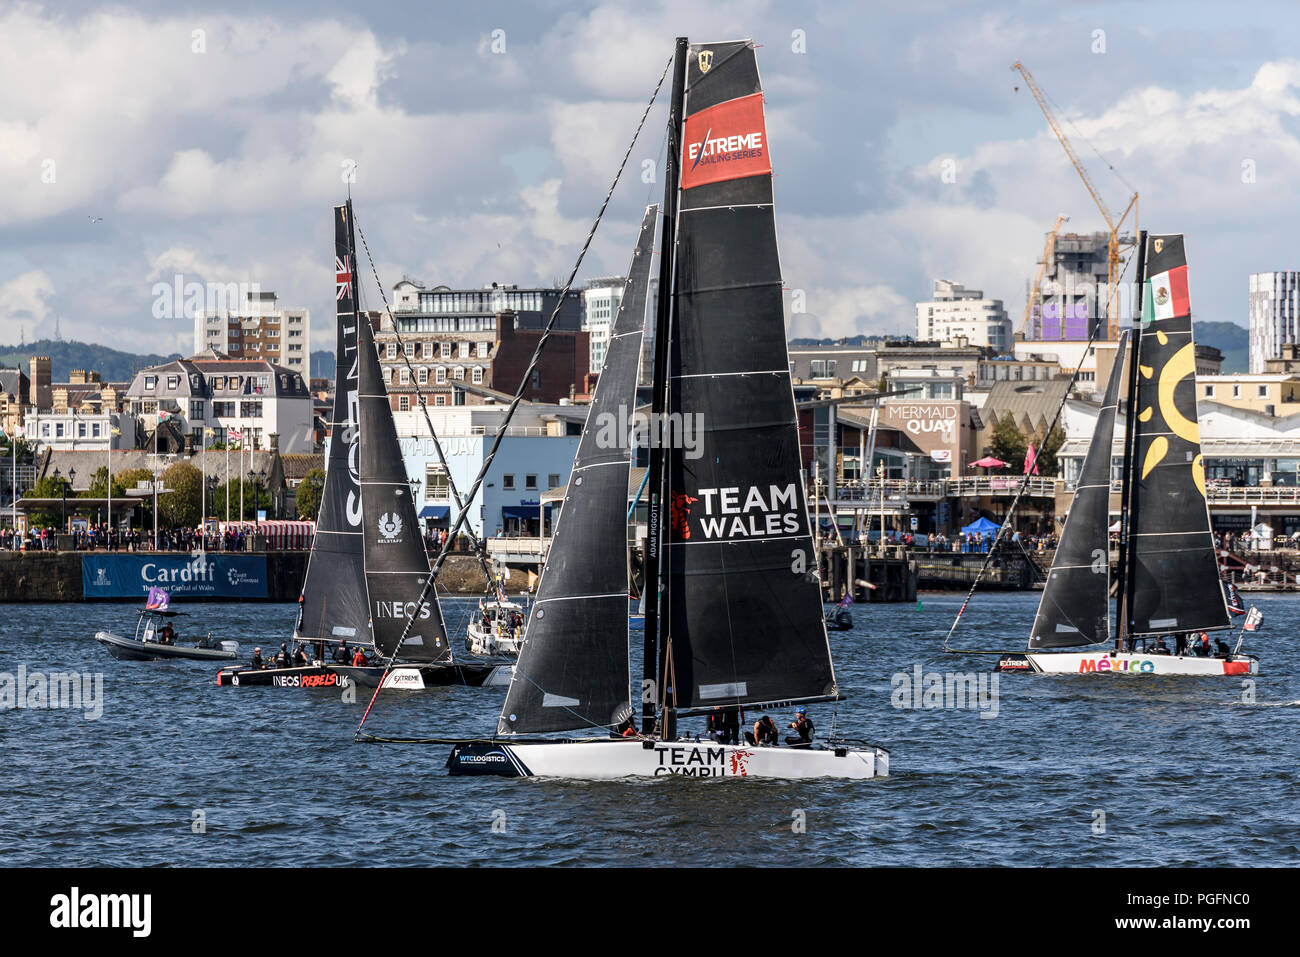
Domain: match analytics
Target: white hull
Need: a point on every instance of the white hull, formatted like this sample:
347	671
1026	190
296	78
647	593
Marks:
633	757
486	644
1132	663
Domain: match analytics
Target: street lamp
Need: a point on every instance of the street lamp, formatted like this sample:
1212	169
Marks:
210	482
256	479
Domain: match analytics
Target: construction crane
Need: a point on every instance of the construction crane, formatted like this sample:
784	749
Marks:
1035	296
1114	225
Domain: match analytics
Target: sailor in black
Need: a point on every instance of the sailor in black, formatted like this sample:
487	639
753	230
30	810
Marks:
803	736
257	659
282	656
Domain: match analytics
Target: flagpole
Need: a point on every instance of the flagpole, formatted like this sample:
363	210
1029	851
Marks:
243	444
227	475
155	483
203	494
108	532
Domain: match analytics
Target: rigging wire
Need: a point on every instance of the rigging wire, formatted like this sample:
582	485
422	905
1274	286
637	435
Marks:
527	376
1011	511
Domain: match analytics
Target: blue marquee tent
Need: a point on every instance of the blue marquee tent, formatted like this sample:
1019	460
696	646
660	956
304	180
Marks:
980	526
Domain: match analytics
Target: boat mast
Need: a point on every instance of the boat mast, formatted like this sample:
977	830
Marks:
1127	541
656	518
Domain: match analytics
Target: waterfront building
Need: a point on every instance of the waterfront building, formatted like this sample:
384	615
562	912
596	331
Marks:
258	331
957	312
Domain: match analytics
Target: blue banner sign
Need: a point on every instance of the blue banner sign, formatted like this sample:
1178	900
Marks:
214	575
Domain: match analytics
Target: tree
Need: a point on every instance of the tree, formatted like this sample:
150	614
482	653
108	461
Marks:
181	507
128	479
1047	463
231	489
309	494
1010	444
98	487
50	487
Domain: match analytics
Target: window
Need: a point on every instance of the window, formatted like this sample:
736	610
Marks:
1236	392
403	403
440	400
196	408
440	375
422	376
391	352
81	430
477	377
537	378
462	351
223	409
508	482
58	429
446	350
151	382
95	430
173	383
250	410
426	350
1263	392
1209	392
530	483
408	349
404	376
436	486
458	373
482	350
553	480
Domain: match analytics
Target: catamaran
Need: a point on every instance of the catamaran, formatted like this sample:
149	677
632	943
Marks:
367	551
1168	575
733	611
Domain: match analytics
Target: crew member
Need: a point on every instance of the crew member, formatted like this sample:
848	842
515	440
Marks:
764	733
717	730
282	656
299	655
731	725
341	655
257	659
359	659
803	728
168	634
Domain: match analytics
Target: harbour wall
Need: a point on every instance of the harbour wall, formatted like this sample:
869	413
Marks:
57	576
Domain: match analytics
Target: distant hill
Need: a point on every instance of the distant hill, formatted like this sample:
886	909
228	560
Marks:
322	365
1230	339
111	364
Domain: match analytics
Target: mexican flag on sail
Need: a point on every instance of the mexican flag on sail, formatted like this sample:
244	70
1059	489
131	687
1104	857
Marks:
1166	295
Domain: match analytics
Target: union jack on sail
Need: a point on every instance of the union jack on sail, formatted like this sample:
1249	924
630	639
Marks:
342	277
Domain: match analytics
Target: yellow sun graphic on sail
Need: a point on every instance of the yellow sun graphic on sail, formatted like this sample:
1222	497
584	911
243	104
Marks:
1181	365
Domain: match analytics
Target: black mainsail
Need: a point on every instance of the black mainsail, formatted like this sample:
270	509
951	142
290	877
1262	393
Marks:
396	565
573	671
332	604
1075	607
1174	576
741	621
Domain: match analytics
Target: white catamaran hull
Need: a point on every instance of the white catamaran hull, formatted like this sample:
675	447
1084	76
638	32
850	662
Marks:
633	757
1067	663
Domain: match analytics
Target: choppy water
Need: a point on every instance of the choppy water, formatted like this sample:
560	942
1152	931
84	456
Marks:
1184	772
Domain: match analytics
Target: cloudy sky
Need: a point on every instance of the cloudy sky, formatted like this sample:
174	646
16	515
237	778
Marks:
212	138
